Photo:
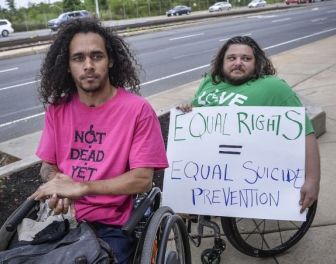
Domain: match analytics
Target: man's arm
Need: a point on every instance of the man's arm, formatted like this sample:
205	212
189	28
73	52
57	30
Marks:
48	171
131	182
310	188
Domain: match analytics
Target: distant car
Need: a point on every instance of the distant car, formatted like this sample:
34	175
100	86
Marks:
54	24
219	6
5	27
257	3
179	10
287	2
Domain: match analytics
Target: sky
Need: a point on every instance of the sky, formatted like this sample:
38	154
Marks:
24	3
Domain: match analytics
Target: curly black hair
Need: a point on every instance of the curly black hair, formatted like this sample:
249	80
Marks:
263	65
57	85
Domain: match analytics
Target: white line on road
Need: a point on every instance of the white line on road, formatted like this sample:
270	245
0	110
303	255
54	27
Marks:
318	19
225	39
187	36
281	20
180	73
194	54
20	120
262	16
22	111
7	70
176	74
17	85
297	39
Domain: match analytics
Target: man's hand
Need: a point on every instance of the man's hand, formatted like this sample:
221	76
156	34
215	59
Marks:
185	108
311	187
59	205
308	194
60	190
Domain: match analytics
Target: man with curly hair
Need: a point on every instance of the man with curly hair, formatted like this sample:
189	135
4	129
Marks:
101	141
242	75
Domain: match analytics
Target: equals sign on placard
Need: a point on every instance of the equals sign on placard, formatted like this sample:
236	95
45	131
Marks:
230	149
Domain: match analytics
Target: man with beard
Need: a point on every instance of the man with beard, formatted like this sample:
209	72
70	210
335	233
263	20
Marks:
242	75
101	142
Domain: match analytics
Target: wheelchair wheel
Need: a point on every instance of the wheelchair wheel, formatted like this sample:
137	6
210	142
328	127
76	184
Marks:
166	240
265	238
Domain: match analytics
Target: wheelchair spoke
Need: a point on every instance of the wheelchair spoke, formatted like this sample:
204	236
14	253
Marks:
279	231
166	240
294	224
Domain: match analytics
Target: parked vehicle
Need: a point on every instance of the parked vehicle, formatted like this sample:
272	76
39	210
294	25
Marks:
287	2
179	10
257	3
5	27
54	24
219	6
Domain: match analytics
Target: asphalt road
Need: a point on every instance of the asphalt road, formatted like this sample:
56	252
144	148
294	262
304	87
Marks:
170	58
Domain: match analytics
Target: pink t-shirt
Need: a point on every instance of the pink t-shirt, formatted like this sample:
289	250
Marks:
94	143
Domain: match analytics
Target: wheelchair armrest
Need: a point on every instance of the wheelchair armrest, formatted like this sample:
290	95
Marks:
154	197
19	214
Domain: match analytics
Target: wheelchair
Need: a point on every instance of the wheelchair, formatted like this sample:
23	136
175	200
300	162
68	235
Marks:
253	237
161	234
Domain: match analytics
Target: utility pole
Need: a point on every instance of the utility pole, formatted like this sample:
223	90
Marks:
97	9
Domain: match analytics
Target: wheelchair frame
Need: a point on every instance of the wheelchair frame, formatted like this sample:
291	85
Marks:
155	226
253	237
152	225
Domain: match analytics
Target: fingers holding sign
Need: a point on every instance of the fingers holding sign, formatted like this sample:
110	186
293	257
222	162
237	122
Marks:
185	108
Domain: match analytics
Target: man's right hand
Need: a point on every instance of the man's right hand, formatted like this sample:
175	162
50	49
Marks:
59	205
185	108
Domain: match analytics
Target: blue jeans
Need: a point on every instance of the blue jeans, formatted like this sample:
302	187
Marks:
123	246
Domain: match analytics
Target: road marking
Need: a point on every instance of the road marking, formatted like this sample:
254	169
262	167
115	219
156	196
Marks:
22	111
187	36
263	16
297	39
21	119
207	65
18	85
175	74
225	39
180	73
194	54
281	20
318	19
7	70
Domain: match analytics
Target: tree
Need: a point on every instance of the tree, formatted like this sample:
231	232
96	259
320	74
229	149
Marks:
70	5
11	5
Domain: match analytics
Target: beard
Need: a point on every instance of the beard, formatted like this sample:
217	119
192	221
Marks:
94	85
237	80
90	89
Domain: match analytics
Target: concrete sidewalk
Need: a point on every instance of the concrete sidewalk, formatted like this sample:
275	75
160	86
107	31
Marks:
311	70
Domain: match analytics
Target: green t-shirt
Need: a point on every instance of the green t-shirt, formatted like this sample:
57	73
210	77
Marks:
266	91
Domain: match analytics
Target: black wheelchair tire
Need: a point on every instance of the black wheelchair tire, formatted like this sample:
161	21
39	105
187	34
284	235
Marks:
6	234
161	224
240	239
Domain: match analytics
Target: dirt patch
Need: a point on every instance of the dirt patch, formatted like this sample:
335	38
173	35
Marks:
6	159
15	188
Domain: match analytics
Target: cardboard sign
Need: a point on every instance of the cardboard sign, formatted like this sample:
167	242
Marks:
236	161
